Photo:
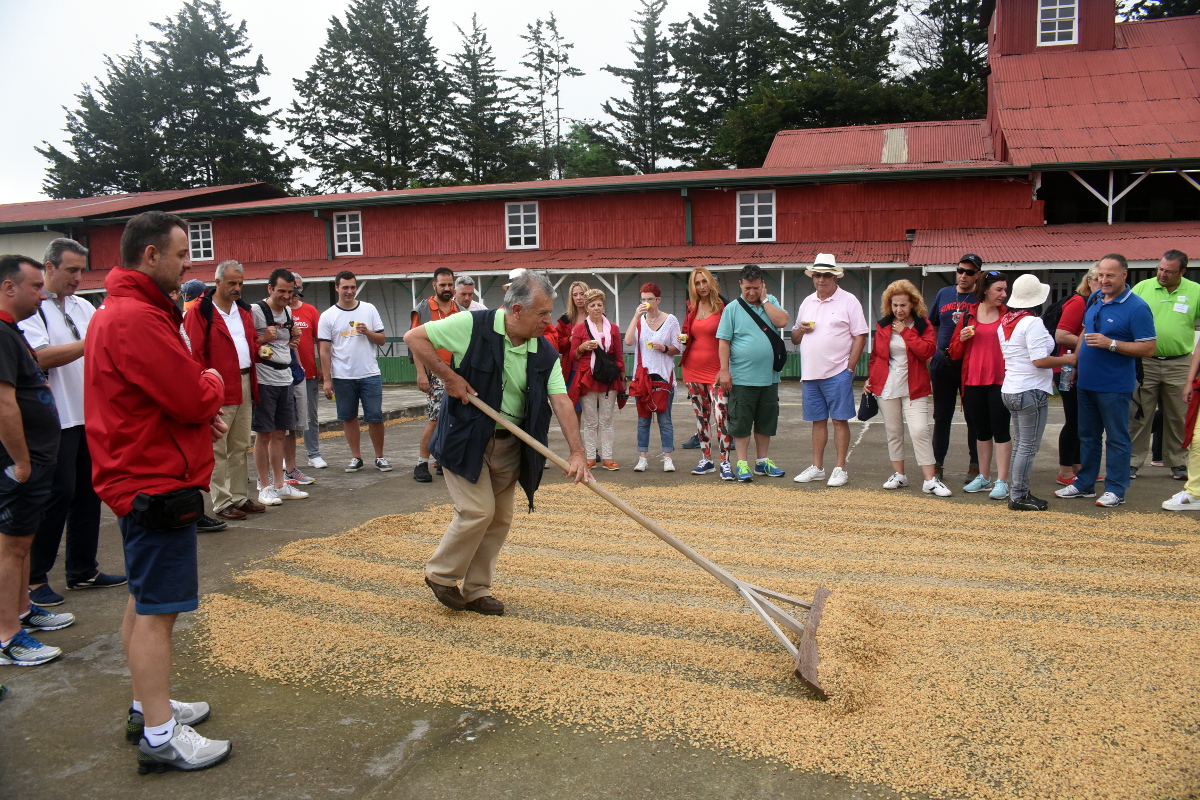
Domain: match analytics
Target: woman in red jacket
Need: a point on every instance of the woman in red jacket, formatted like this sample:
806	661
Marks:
576	311
899	377
598	399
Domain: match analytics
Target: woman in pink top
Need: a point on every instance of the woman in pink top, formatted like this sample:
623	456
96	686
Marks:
701	361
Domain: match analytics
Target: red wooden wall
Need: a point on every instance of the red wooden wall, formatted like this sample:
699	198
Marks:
1015	23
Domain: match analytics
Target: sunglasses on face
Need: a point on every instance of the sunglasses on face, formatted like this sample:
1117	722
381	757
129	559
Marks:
971	272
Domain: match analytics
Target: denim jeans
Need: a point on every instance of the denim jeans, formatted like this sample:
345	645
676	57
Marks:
666	429
1104	414
1030	409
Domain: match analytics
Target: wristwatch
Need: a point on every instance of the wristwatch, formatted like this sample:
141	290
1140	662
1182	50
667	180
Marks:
1112	346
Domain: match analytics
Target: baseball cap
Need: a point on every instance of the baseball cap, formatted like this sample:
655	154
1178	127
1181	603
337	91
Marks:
971	258
193	289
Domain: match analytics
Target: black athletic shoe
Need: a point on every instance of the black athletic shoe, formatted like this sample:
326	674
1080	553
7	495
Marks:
438	467
421	473
1028	503
209	525
692	443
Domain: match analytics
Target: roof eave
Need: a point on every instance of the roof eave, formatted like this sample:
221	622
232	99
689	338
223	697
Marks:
1160	163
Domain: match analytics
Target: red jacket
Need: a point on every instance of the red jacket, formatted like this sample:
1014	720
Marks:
562	331
921	341
213	347
584	382
960	350
147	402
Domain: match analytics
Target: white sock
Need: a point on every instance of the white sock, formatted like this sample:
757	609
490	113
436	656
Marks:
761	461
159	734
422	460
5	643
137	706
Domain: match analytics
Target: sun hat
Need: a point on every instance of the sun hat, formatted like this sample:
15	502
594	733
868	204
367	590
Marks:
512	276
825	264
1027	292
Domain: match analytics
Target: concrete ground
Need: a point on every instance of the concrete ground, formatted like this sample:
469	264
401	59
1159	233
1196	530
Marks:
61	726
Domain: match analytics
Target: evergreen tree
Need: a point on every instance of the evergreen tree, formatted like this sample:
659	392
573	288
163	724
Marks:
947	40
644	126
1159	9
372	108
549	59
588	154
853	36
719	59
486	128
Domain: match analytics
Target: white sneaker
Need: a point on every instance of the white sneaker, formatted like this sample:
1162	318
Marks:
185	750
641	465
269	497
317	463
1182	502
896	481
935	486
813	473
668	464
839	477
289	492
1109	500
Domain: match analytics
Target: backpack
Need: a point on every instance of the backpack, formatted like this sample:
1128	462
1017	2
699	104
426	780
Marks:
1053	314
294	364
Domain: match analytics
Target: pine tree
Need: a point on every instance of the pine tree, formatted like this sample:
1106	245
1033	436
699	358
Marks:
644	128
372	108
853	36
1159	9
486	128
947	40
549	60
589	154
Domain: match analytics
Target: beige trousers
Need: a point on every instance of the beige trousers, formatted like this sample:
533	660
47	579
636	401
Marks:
896	412
230	472
483	513
1163	381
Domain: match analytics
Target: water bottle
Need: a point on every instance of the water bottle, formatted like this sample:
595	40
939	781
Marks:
1066	378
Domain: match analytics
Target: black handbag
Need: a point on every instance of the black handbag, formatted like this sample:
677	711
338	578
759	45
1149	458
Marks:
777	346
605	370
867	407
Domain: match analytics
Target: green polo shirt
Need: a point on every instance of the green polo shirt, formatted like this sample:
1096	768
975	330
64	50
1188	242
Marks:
454	334
1175	314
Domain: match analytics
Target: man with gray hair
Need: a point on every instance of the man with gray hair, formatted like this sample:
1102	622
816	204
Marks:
483	461
464	294
56	333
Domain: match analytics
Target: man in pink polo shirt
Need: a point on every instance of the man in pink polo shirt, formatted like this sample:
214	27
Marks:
831	331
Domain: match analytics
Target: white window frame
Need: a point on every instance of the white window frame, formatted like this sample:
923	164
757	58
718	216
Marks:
1056	7
197	241
522	208
756	202
353	244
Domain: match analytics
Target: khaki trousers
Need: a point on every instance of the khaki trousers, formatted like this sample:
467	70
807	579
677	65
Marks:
483	513
1164	381
896	412
230	471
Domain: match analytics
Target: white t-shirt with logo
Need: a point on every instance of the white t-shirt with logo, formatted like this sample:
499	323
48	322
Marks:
353	354
281	353
66	382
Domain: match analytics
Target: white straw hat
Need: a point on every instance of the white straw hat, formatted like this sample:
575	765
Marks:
513	275
826	264
1028	292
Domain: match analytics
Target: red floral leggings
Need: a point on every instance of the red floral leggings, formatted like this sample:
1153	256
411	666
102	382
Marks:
705	397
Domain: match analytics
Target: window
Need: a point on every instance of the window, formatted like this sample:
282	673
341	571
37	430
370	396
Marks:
200	239
522	225
1056	22
756	216
347	234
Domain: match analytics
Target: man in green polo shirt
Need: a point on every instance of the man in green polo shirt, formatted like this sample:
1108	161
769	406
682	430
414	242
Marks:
1175	303
482	461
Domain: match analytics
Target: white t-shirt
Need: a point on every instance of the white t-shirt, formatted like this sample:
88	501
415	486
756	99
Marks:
353	354
281	353
1030	341
897	382
656	361
233	321
66	382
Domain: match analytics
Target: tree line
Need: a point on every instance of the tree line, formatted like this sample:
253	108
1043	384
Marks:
380	108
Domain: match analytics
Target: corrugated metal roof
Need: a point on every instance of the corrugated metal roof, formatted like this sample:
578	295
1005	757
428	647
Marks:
1138	102
930	144
105	205
1137	241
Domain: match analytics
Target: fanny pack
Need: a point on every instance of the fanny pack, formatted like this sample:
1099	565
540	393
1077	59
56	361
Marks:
168	512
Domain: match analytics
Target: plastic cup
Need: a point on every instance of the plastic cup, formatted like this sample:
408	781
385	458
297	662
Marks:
683	338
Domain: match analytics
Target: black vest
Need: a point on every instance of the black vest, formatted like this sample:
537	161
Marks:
463	431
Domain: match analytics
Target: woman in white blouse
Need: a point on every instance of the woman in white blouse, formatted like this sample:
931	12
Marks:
654	334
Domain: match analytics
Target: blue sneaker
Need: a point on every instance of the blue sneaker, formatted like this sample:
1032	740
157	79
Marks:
767	467
726	471
743	472
979	484
704	467
39	619
692	443
26	651
999	491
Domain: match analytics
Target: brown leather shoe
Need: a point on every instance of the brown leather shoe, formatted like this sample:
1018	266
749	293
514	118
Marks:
486	605
251	507
449	596
231	512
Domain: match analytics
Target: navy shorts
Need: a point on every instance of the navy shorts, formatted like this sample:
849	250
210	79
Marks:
275	409
830	398
163	574
349	392
22	505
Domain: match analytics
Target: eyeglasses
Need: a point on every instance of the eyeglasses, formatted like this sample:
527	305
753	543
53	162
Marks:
971	272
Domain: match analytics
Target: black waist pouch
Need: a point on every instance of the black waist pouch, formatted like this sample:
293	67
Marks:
169	512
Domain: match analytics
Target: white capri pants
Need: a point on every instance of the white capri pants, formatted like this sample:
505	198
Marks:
896	412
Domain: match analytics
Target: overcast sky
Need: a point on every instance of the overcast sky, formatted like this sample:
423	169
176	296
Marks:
52	47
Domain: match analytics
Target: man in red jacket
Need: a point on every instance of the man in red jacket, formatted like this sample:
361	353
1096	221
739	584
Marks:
151	415
221	330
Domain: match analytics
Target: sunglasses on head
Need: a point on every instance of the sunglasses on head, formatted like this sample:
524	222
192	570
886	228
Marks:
962	271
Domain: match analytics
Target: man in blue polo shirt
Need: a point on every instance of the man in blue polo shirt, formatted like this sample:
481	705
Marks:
1118	329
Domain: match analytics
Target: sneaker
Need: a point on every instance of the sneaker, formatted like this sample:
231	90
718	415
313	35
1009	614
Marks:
289	492
999	490
316	462
421	473
838	477
26	651
743	472
704	467
382	464
184	714
767	467
298	478
935	486
978	484
1109	500
355	465
98	581
1157	463
1179	473
726	471
1064	481
39	619
641	465
591	463
269	497
1182	502
897	481
438	468
692	443
1028	503
186	750
813	473
1133	473
45	596
1069	492
206	524
609	464
668	464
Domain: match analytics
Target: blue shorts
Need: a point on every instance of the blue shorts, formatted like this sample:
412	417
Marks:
163	574
22	505
350	391
830	398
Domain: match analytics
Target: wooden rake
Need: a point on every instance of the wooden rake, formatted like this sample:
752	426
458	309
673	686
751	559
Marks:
762	602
